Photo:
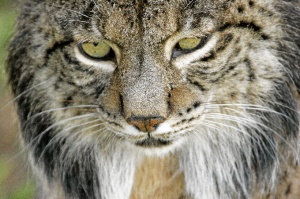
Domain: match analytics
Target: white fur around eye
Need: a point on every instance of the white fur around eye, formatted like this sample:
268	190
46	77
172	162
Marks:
185	59
106	66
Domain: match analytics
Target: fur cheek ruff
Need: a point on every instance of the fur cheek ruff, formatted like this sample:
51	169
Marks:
229	160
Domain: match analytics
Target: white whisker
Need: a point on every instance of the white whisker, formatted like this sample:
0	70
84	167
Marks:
21	94
61	109
70	138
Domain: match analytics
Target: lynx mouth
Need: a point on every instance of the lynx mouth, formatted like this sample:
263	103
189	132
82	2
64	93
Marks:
152	142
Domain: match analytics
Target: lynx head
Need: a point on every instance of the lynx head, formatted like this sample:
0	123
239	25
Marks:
214	81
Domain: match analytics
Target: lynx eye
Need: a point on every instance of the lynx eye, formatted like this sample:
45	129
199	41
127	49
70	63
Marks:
97	50
189	43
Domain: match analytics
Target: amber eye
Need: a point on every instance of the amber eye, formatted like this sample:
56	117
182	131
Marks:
97	50
189	43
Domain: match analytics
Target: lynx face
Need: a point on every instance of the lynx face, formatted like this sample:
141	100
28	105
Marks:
213	82
148	89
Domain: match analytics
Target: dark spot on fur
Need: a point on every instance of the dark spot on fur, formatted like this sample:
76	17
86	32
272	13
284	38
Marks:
235	74
251	3
228	38
233	94
191	119
170	107
99	90
196	104
250	25
243	24
201	87
68	101
224	27
70	60
240	9
121	105
288	190
57	46
265	37
251	75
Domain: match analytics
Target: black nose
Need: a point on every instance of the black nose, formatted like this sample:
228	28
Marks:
145	124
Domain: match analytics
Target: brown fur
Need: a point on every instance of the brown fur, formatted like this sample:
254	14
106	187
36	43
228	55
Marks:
158	178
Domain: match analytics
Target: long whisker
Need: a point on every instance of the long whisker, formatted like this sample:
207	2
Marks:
238	120
256	125
267	128
257	139
71	137
61	109
74	20
282	105
10	102
38	137
226	125
253	107
68	120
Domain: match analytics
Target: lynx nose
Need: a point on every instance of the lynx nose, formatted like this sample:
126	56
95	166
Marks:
145	124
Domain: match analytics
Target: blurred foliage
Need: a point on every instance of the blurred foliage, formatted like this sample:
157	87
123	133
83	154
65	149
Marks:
7	20
20	190
14	180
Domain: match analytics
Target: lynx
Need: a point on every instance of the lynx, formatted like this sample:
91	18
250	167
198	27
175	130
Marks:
143	99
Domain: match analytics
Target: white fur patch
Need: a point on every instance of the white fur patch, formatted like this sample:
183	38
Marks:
116	166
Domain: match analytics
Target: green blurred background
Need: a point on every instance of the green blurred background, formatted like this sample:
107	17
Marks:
15	181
